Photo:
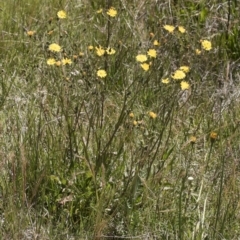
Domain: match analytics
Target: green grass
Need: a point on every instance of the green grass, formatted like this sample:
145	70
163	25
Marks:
81	158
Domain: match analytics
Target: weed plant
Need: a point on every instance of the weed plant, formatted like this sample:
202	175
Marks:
119	119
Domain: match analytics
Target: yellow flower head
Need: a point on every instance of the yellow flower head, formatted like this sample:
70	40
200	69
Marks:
100	10
213	136
145	66
193	139
112	12
169	28
141	58
81	54
197	51
131	115
151	34
206	45
51	61
178	74
66	61
152	115
31	33
152	53
62	14
90	47
58	63
185	85
99	51
110	51
54	47
156	43
135	123
165	80
101	73
181	29
185	69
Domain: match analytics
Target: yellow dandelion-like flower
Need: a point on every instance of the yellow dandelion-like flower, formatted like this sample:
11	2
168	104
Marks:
62	14
185	69
156	43
66	61
110	51
151	34
131	115
90	47
141	58
58	63
81	54
206	45
185	85
181	29
99	51
100	10
213	135
145	66
112	12
101	73
152	115
178	74
51	61
169	28
54	47
193	139
197	51
31	33
152	53
135	123
165	80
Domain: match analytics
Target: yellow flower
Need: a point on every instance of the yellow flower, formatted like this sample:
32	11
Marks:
152	115
51	61
99	51
54	47
66	61
58	63
141	58
101	73
193	139
145	66
62	14
197	51
151	34
156	43
81	54
90	47
178	74
185	85
31	33
135	123
206	45
185	69
110	51
165	80
100	10
112	12
169	28
181	29
152	53
213	135
131	115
